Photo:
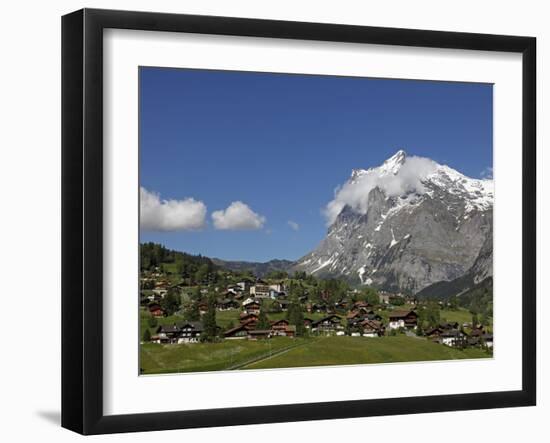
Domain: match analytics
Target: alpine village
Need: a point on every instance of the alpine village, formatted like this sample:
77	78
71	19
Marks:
197	315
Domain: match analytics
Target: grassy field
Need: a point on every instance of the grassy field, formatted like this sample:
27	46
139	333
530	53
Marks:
361	350
460	315
225	318
198	357
282	352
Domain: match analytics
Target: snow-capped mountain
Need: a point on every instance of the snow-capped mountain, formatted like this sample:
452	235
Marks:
405	225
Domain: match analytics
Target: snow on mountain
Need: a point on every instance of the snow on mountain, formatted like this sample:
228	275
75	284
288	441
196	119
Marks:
405	225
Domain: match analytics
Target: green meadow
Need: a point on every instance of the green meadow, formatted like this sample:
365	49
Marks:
283	352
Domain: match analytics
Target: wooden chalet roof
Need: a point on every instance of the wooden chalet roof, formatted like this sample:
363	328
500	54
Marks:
168	329
401	314
373	324
196	325
333	318
259	331
229	332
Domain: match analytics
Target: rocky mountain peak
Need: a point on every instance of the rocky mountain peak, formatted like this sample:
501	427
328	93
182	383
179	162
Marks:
405	225
394	163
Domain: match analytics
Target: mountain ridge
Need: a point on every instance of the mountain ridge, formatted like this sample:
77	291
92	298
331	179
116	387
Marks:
405	225
260	269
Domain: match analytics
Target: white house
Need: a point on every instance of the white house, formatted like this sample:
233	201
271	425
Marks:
260	289
452	338
403	319
277	287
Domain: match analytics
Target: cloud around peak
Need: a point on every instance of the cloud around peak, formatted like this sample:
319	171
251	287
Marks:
170	215
237	216
354	193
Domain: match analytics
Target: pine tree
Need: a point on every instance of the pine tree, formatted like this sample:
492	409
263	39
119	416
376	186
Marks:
193	313
209	322
263	321
295	317
170	303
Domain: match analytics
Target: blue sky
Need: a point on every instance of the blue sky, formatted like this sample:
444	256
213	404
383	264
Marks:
282	143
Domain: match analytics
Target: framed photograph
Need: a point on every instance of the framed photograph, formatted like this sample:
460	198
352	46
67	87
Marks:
269	221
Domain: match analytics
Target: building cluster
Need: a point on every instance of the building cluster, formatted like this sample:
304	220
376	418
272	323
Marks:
450	334
345	317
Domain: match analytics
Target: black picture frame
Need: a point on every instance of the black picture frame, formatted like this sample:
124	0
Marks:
82	218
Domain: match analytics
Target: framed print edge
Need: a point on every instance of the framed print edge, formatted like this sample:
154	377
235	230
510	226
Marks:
82	222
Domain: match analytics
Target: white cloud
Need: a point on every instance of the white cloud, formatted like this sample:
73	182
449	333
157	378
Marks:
295	226
408	178
170	215
237	216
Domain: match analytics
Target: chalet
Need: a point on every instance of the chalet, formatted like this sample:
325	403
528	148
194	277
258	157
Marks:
189	332
453	338
435	333
260	289
361	305
167	333
449	325
155	310
290	331
318	307
234	290
250	323
363	314
238	332
411	300
372	328
252	307
282	328
328	325
248	320
307	322
226	304
403	319
279	324
371	315
353	314
257	334
245	316
245	285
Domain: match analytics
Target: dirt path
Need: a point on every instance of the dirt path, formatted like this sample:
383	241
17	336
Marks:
268	356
